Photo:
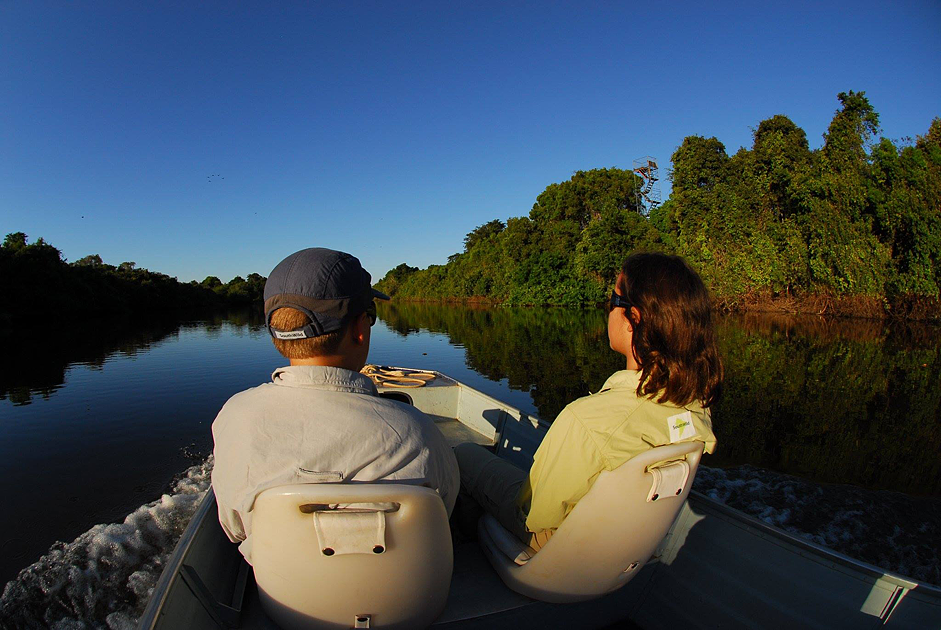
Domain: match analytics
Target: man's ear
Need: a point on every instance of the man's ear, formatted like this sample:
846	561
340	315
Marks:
358	329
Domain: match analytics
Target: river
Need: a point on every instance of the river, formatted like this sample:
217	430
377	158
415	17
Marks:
828	428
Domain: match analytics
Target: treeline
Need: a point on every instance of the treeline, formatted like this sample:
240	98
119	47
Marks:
42	289
851	228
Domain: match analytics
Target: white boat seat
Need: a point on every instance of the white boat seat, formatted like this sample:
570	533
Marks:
609	534
392	570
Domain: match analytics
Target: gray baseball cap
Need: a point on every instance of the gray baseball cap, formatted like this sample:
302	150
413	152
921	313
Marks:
326	285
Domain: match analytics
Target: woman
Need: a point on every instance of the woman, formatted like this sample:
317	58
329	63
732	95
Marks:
660	319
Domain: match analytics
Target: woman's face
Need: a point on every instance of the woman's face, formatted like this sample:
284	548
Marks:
620	331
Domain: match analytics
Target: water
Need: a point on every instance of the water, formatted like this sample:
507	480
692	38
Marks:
828	429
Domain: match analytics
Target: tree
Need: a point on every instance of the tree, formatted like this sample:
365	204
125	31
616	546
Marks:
92	260
14	241
586	196
698	164
607	241
781	156
395	278
850	130
483	233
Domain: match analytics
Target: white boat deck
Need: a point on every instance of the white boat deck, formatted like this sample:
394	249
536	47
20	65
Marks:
456	433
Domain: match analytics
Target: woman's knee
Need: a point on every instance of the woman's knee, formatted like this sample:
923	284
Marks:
471	460
465	450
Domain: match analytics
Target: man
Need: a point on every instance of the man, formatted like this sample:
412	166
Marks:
320	420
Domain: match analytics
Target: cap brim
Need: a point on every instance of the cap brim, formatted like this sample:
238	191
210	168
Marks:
379	295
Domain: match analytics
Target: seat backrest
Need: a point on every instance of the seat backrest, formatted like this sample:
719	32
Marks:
385	561
613	530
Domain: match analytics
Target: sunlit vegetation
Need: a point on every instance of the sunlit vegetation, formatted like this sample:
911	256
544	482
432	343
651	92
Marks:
42	289
853	227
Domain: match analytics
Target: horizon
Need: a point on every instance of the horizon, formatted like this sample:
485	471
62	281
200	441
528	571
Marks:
217	140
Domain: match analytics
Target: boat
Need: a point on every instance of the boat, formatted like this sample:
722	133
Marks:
716	567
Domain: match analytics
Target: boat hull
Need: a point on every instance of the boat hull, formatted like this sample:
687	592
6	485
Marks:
716	568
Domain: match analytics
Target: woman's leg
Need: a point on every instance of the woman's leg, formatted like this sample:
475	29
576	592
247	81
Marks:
495	484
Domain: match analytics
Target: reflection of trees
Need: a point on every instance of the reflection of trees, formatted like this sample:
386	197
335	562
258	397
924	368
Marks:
41	360
844	401
852	401
554	354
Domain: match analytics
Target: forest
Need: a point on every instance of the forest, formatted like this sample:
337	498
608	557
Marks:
40	288
851	228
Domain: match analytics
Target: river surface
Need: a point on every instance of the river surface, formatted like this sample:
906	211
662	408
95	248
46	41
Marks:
828	428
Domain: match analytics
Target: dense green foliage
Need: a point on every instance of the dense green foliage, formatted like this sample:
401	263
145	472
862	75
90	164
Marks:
849	402
855	222
40	287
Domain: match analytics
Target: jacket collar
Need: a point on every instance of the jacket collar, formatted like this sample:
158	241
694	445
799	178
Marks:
623	379
630	379
326	378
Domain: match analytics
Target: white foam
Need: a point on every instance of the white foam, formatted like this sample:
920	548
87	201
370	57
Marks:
104	578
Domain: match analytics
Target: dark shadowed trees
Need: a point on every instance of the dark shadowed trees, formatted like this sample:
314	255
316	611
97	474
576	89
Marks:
37	284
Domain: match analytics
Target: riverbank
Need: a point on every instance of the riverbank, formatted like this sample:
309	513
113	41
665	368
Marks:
909	308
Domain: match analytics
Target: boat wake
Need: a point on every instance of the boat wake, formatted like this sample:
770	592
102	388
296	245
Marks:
894	531
104	577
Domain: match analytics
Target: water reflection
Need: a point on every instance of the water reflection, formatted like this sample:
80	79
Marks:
36	362
555	354
834	400
100	419
844	401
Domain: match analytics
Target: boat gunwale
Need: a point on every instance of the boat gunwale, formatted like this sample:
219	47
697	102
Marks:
744	520
172	569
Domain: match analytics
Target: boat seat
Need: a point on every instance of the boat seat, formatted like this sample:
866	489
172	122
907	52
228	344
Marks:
345	555
607	537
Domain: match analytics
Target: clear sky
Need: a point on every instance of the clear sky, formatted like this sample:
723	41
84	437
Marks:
218	137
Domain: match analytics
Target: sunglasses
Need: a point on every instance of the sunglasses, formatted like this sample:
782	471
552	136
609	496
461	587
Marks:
371	312
618	302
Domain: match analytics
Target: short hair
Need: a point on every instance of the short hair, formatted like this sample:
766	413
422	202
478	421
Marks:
287	318
674	341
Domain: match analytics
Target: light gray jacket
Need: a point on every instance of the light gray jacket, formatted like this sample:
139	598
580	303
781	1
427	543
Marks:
316	424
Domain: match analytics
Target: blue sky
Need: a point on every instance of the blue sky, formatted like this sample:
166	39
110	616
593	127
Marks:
390	130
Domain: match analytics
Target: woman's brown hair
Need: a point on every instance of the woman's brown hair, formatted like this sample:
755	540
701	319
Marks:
674	340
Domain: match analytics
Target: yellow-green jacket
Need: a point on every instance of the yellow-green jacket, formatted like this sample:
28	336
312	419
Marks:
601	432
